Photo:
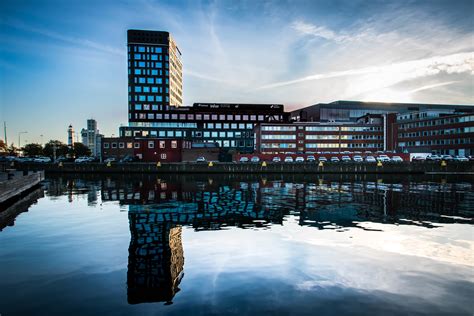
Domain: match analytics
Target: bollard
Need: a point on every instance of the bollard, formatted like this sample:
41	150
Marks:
264	164
109	164
379	163
158	164
443	163
60	164
210	164
321	164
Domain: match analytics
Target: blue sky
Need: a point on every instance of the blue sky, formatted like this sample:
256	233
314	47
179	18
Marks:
62	62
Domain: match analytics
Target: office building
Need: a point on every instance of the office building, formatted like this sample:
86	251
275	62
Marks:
342	111
435	132
155	74
366	134
92	138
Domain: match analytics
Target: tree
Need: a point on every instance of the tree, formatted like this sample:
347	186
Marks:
81	150
32	150
55	145
12	150
3	147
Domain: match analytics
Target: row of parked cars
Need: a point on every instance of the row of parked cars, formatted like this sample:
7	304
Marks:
311	158
442	157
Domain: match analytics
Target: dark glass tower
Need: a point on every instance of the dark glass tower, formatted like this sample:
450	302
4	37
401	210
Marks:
154	75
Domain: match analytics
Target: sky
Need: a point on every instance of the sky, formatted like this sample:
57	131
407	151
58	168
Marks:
64	61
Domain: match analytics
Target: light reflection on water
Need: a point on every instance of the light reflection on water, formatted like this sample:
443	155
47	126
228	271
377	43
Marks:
242	245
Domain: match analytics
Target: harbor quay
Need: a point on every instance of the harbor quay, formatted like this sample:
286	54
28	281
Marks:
451	167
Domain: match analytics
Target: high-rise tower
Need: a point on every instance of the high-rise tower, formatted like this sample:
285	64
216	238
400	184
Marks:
154	75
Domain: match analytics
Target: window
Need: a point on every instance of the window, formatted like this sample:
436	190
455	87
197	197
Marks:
138	89
163	156
114	145
137	56
141	49
162	144
129	145
138	71
154	89
154	57
151	144
174	144
106	145
150	80
121	145
138	106
141	64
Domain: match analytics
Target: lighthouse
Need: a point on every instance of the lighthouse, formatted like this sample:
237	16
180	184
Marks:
70	136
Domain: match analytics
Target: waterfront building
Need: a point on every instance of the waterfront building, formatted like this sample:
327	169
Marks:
366	134
229	125
92	138
351	110
435	132
143	149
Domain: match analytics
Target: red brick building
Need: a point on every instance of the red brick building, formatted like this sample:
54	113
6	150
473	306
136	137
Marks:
144	149
435	132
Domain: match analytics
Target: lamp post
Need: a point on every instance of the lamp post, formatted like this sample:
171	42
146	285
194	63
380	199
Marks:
19	138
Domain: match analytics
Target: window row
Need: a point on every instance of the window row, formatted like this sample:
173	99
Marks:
148	80
147	57
146	49
147	89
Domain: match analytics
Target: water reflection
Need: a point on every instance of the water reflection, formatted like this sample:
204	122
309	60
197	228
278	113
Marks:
159	206
9	212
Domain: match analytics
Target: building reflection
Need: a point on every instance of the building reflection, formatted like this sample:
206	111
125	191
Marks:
158	208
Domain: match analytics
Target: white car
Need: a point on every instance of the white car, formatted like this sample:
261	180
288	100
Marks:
254	159
397	159
244	159
323	159
358	159
110	160
460	158
334	159
288	159
201	159
310	159
42	159
82	159
383	158
370	159
299	159
276	159
446	157
346	159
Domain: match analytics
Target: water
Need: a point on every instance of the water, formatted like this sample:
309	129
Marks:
241	245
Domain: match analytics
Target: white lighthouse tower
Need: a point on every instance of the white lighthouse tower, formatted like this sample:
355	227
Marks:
70	136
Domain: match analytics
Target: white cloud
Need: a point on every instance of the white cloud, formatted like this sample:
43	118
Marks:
387	75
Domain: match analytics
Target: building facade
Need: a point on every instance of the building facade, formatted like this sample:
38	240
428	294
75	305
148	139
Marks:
92	138
342	111
366	134
435	132
143	149
229	125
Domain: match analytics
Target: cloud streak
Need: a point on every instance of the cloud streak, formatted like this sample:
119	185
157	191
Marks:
398	72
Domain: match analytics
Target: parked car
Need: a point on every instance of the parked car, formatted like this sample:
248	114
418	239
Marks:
447	157
334	159
460	158
254	159
83	159
471	158
276	159
42	159
418	158
433	157
370	159
244	159
397	159
299	159
129	159
323	159
202	159
358	159
383	158
288	159
310	158
346	159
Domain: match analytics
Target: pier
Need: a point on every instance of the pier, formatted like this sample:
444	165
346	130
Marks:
14	183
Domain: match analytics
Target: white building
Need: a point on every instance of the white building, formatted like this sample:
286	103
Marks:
91	137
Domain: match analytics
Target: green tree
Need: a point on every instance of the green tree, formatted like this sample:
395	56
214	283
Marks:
55	145
12	150
32	150
81	150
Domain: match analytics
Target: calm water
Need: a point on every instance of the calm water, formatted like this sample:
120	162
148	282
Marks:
240	245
